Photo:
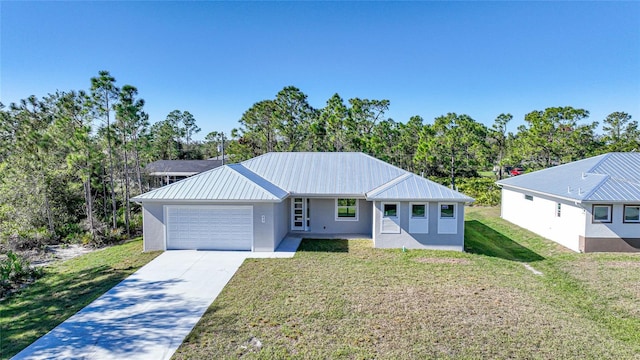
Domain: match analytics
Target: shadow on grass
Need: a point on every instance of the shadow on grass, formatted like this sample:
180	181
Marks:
324	245
483	240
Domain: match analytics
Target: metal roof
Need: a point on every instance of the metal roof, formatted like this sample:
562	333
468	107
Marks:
170	167
612	177
413	187
274	176
319	173
229	182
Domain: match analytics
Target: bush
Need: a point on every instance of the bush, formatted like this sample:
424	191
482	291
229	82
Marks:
484	190
15	271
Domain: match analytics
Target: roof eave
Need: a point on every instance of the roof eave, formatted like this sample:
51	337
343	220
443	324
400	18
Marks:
141	201
576	200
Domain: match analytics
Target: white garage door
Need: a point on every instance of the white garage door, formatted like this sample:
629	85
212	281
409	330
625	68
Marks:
210	227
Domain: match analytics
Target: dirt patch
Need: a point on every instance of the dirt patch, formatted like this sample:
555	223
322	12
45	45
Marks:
452	261
623	264
55	253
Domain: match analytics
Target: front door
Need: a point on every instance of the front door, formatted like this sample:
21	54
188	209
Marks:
300	214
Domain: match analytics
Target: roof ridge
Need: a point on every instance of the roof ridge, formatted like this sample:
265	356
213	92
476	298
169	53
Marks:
247	170
595	188
604	158
388	184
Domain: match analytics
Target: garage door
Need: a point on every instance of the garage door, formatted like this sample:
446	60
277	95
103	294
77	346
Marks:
210	227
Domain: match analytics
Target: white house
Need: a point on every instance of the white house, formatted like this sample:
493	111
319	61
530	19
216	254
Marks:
588	205
253	205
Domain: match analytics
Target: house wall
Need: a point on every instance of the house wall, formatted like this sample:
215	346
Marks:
434	239
614	236
282	218
153	227
323	218
266	235
539	215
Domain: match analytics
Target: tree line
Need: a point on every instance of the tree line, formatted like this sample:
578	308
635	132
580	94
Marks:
71	161
453	145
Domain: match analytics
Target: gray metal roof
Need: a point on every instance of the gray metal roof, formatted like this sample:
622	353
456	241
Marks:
229	182
612	177
413	187
309	173
170	167
274	176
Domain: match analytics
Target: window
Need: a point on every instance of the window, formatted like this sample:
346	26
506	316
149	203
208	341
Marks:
601	214
528	197
631	214
347	209
418	211
558	209
390	210
447	211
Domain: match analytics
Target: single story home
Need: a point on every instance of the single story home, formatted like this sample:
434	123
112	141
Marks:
253	205
164	172
588	205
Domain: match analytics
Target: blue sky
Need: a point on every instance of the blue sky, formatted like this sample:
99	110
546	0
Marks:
215	59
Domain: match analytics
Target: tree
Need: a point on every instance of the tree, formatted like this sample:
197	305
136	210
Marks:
362	117
74	116
554	136
498	133
333	116
621	133
104	94
131	118
292	116
454	145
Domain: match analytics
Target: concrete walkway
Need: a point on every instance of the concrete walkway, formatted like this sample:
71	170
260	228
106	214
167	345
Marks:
148	315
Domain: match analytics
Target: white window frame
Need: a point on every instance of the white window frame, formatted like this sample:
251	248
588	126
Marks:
397	216
609	214
624	214
446	217
426	211
357	208
386	219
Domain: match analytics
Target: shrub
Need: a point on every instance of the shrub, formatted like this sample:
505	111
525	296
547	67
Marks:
484	190
15	271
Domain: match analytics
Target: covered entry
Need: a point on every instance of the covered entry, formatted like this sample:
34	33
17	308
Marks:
209	227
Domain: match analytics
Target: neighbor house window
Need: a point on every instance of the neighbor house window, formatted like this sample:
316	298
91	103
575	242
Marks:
632	213
528	197
390	210
347	209
601	213
558	209
418	211
447	211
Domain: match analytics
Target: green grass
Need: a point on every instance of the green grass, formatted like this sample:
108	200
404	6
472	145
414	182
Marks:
488	173
344	299
65	288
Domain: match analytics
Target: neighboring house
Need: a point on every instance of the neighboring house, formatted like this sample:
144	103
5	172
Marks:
164	172
253	205
588	205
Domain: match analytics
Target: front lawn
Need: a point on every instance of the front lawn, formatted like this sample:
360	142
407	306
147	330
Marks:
65	288
343	299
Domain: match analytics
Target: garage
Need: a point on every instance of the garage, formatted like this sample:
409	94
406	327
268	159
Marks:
200	227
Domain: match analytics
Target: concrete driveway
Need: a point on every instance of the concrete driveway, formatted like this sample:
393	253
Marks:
148	315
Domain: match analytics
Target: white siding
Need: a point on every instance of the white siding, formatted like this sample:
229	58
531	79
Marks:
616	229
539	215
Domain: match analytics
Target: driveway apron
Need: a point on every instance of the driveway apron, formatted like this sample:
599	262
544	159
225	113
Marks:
147	315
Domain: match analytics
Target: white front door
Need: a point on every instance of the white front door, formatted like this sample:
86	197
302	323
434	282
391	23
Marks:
300	214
